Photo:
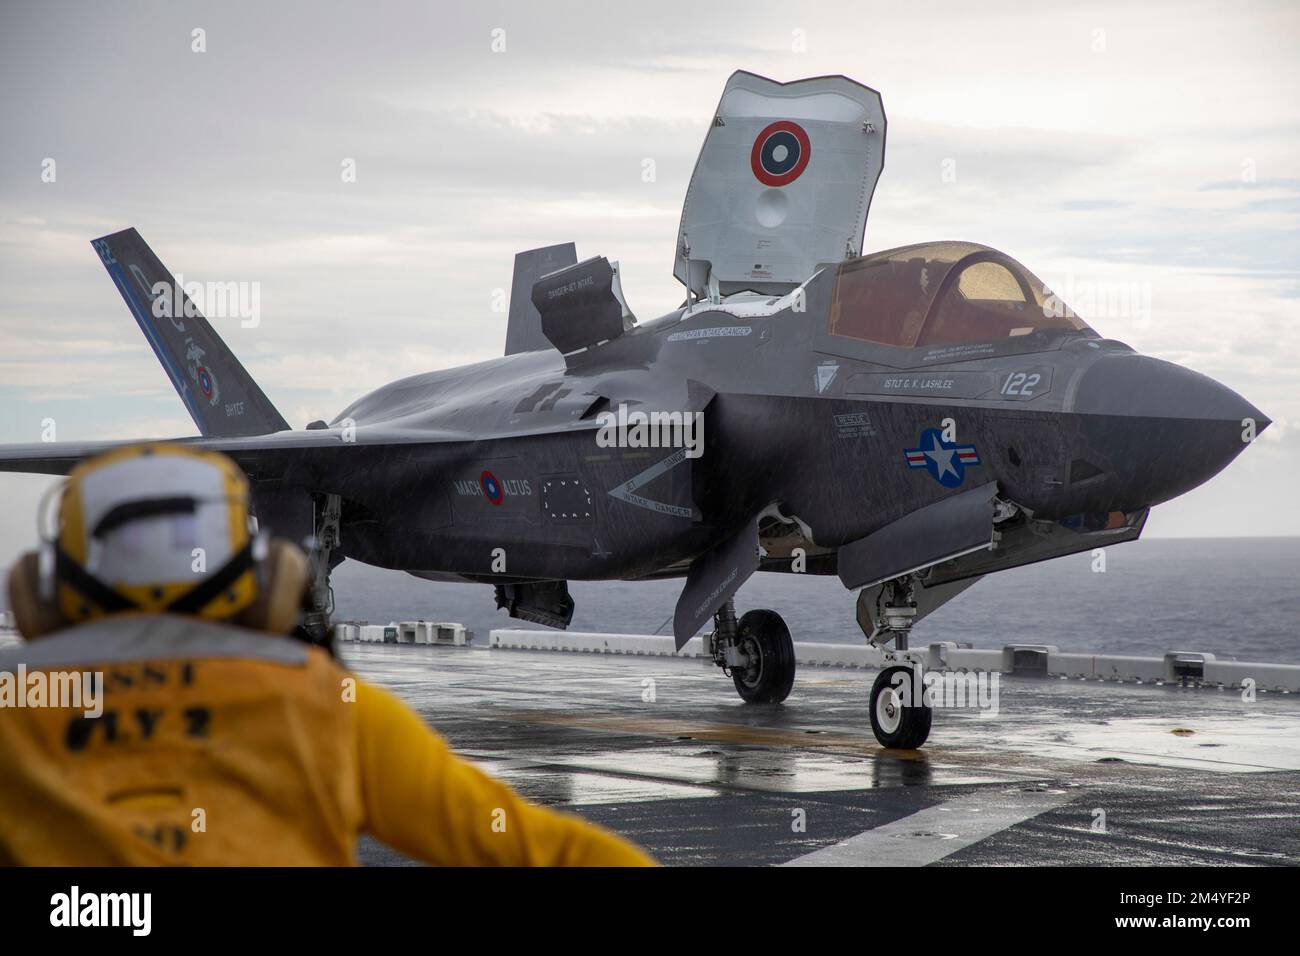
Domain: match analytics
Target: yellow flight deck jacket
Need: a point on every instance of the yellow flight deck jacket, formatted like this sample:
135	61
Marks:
216	745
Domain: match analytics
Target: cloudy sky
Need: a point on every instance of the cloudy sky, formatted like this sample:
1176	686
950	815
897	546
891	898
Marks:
1152	148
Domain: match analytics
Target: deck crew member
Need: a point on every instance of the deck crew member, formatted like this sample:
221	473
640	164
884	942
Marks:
219	739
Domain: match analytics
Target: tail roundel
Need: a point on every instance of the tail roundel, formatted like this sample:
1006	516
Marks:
220	395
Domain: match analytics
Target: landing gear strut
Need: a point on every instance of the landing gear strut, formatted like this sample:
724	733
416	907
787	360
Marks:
319	603
895	611
900	718
756	652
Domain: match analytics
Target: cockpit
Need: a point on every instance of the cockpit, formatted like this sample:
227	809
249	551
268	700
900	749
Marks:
942	293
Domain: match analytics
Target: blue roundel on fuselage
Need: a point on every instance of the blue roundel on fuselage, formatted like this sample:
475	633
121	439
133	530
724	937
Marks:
945	461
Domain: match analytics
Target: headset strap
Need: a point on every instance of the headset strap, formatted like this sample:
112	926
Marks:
89	586
81	580
199	596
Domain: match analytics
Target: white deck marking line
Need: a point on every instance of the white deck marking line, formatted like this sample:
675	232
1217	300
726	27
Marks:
936	832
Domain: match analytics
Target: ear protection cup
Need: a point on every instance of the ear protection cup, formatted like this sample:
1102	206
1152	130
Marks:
278	605
33	614
277	608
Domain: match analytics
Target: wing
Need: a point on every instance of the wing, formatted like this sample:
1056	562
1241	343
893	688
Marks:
261	456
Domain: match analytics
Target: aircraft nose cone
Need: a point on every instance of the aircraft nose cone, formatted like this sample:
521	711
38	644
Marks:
1163	428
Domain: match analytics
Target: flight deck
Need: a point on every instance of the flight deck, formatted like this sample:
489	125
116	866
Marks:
1067	771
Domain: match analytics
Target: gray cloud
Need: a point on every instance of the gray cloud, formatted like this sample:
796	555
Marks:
1115	164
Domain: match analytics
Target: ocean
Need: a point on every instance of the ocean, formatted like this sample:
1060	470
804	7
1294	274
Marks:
1238	598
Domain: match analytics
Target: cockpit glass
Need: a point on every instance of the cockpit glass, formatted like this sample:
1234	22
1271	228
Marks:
941	294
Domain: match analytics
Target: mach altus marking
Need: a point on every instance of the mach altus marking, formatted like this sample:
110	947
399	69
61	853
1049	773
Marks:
909	419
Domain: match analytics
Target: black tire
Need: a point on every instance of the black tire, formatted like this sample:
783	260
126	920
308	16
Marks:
897	727
764	634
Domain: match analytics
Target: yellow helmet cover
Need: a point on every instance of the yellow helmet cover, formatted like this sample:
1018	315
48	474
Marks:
154	528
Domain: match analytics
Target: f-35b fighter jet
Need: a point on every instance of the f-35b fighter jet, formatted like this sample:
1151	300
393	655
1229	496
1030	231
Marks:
908	419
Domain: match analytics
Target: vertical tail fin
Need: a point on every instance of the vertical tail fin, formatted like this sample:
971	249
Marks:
220	395
524	329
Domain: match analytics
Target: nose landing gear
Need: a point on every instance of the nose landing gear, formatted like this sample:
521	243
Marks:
900	718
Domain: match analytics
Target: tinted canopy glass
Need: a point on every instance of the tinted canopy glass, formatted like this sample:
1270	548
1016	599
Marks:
942	293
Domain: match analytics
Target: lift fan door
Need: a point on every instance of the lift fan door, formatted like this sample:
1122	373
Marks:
581	305
782	184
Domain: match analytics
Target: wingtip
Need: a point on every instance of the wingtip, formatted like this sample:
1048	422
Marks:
114	235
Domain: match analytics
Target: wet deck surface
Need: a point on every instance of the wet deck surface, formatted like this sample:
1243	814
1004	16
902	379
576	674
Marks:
663	751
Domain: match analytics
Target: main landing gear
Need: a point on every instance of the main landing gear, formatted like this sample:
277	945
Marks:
318	603
756	652
758	655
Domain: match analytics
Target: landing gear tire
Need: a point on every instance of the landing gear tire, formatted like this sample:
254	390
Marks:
765	638
897	727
